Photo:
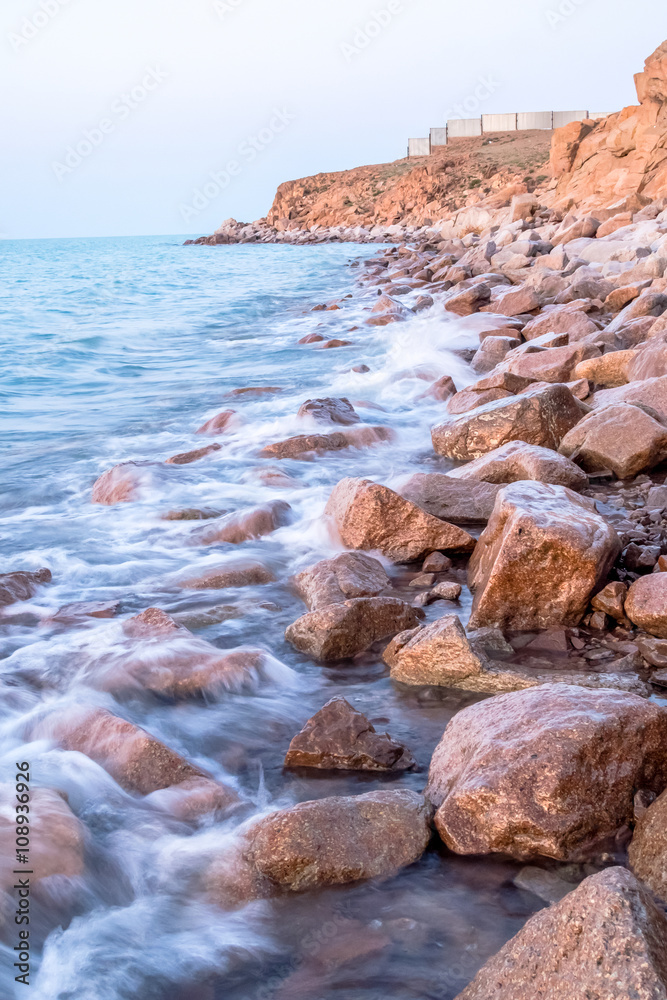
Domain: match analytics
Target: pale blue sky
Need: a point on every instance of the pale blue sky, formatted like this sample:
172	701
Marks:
159	94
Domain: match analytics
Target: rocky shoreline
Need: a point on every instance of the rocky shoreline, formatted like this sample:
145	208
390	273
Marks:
549	505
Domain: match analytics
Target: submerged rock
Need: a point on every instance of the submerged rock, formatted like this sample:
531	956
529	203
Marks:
607	939
339	631
241	527
332	581
372	517
219	423
333	841
543	553
123	483
187	457
240	573
549	771
57	838
338	737
305	445
329	411
21	586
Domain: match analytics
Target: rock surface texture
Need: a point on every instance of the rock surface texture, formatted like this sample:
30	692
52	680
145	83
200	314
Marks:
550	771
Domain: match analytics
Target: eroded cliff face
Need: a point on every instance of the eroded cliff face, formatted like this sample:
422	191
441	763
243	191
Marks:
622	157
419	191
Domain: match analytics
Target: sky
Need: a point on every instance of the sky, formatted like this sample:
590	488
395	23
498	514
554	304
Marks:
151	117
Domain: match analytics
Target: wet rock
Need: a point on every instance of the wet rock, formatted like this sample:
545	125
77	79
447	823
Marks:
469	301
550	771
646	604
545	884
369	516
436	654
139	762
161	656
248	392
541	417
338	840
332	581
57	838
316	444
339	631
445	592
187	457
253	523
329	411
624	438
340	738
338	343
611	601
193	514
606	939
423	580
436	562
21	586
543	553
648	848
123	483
516	461
219	423
517	301
240	573
653	650
457	500
87	609
193	798
441	389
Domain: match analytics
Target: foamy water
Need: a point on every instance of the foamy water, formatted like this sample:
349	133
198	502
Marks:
119	350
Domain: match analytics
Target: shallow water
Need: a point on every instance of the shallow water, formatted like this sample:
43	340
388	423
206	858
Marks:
120	349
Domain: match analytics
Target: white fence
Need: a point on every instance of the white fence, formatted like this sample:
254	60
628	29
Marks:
465	128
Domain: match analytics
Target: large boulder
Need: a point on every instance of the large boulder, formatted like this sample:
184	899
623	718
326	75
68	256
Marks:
549	771
372	517
339	840
498	385
608	370
624	438
517	460
543	553
339	737
646	604
648	849
332	581
542	417
560	319
21	586
339	631
606	940
458	500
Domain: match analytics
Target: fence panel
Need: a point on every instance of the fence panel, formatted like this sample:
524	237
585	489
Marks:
565	117
534	119
419	147
499	123
464	128
438	137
